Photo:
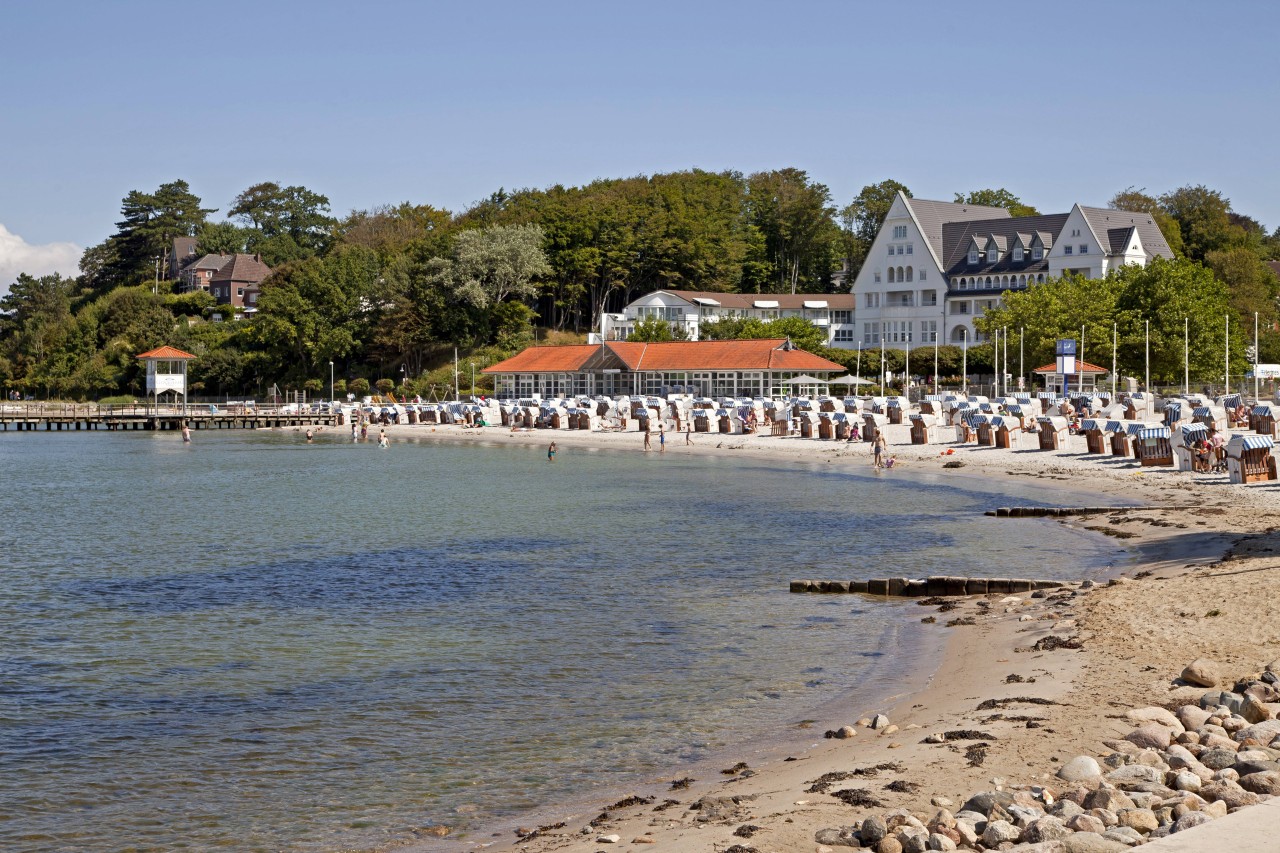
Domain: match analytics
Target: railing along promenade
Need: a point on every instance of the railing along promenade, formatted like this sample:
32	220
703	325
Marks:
51	417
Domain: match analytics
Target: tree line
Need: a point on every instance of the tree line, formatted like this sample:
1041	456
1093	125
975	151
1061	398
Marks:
389	293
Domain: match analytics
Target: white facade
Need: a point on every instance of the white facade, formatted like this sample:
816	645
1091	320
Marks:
935	267
832	313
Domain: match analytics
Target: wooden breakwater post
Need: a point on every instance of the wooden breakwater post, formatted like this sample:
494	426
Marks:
937	585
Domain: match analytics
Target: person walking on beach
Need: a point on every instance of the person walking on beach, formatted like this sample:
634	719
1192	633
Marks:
662	439
877	448
648	443
688	433
551	452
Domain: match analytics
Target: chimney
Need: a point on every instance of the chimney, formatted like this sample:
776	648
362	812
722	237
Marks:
257	257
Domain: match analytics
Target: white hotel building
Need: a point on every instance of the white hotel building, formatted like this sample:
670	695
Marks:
936	266
687	310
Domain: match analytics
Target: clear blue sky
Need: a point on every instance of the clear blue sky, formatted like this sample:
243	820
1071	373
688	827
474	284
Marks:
442	103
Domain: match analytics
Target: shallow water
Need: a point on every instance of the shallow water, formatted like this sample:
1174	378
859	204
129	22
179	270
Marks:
254	643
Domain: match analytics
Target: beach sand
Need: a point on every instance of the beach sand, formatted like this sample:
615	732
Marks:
1205	568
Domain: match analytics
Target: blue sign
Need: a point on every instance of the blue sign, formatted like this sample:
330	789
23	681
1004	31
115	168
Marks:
1066	346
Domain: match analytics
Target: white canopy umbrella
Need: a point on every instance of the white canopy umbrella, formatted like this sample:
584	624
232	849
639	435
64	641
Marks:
804	379
848	379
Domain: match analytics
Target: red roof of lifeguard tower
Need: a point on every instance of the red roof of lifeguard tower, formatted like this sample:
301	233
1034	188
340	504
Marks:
1081	367
166	353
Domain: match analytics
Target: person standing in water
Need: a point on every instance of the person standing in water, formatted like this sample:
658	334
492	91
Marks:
551	452
662	439
310	435
383	442
186	433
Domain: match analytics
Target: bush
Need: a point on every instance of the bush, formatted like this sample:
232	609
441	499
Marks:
359	387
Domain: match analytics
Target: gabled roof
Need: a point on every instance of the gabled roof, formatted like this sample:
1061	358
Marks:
1102	219
246	268
1120	239
931	215
546	359
787	301
165	353
958	236
1081	367
210	262
1000	240
764	354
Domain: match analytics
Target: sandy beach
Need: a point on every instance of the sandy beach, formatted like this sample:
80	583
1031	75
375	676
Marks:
1005	713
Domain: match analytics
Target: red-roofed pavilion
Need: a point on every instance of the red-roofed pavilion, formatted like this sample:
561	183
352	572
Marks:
750	368
166	372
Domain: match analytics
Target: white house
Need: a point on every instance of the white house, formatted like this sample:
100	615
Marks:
688	310
935	266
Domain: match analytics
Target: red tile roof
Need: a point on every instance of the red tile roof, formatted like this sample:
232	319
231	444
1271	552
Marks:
764	354
1081	367
546	360
166	353
246	268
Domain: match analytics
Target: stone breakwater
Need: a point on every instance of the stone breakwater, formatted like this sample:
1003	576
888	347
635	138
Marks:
1176	769
924	587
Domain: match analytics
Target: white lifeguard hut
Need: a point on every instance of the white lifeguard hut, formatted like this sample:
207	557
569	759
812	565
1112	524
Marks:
166	373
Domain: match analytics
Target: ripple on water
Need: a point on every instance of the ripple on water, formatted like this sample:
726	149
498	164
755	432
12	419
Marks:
256	643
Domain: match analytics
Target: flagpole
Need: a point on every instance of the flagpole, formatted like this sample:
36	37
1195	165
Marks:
1147	386
1186	355
1005	360
1115	334
1022	332
1226	356
1255	355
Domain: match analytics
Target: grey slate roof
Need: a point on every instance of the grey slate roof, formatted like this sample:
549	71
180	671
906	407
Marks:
931	215
209	262
1118	239
957	237
1102	219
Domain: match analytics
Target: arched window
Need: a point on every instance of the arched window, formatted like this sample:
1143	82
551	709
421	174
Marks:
1004	281
988	281
910	276
958	334
891	275
1040	278
901	277
1022	281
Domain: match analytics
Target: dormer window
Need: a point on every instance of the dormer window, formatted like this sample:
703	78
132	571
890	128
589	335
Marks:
1037	253
1017	253
993	254
973	256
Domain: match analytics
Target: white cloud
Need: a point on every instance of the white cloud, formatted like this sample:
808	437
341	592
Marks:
19	256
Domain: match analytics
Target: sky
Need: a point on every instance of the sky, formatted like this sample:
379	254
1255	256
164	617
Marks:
440	103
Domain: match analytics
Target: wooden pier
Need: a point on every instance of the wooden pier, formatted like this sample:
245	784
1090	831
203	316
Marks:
53	417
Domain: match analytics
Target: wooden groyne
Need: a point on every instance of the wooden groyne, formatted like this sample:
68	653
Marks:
1065	511
927	587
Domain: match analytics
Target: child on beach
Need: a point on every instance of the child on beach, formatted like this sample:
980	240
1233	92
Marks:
382	438
662	439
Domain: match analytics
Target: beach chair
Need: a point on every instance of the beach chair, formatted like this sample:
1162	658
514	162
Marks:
1153	447
1249	459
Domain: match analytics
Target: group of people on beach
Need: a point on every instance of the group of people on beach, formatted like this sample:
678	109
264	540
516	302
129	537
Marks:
360	432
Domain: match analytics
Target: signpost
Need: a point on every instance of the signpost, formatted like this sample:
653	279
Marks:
1066	353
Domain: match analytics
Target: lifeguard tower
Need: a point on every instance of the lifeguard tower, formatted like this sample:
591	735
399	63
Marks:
166	373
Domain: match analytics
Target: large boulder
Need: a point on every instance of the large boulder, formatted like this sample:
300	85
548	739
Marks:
1082	768
1193	717
1189	820
1142	716
1255	711
1131	774
1000	832
1151	736
1262	783
1086	823
1047	828
1263	732
873	829
1203	673
985	801
1230	793
1124	835
1140	820
844	837
1108	799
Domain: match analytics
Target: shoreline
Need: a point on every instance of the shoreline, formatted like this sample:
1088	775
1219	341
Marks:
931	697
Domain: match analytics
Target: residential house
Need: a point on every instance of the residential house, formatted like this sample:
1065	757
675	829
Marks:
687	310
936	266
238	282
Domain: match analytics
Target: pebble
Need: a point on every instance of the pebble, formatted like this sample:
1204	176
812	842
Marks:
879	721
889	730
608	839
845	732
1080	769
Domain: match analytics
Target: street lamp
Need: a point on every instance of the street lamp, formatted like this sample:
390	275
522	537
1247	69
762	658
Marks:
331	384
964	363
473	380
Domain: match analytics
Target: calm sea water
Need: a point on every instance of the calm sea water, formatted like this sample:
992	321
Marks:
252	643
